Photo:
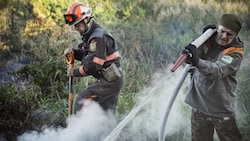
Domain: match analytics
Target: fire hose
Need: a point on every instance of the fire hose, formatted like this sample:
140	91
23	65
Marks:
116	131
198	42
70	60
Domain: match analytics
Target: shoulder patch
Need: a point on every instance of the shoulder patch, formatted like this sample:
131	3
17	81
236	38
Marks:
92	46
227	59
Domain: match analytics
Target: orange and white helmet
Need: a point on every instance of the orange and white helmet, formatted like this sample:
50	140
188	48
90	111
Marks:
76	12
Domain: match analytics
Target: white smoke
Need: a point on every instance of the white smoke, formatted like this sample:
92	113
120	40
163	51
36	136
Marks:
147	123
90	124
93	124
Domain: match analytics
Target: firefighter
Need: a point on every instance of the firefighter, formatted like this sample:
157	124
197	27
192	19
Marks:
212	92
99	58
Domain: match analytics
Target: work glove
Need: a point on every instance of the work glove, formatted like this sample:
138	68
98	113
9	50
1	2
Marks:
185	51
193	56
70	72
212	26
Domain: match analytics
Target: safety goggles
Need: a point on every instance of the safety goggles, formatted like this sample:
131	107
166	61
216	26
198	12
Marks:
70	18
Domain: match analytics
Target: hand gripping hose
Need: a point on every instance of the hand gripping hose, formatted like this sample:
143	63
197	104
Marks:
198	42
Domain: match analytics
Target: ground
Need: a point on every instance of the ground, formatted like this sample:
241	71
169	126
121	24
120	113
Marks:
17	118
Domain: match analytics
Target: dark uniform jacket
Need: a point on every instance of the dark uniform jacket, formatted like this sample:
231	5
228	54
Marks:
97	51
214	83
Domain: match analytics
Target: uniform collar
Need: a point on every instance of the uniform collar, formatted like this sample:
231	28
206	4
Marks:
92	25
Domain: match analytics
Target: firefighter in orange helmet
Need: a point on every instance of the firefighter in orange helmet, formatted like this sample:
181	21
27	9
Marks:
99	58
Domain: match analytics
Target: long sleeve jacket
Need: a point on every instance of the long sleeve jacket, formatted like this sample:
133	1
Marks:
97	51
213	83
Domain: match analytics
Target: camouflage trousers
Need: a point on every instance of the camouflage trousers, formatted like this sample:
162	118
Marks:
203	127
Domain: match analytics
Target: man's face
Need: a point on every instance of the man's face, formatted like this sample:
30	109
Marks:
225	35
80	27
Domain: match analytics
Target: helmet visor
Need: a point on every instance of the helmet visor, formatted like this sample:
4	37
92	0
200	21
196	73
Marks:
70	18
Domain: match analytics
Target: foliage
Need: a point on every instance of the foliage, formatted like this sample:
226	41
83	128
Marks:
243	97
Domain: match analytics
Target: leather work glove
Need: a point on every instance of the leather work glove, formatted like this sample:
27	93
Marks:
185	51
193	54
212	26
70	72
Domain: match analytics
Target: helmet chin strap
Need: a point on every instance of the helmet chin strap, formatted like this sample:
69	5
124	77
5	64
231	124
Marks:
87	25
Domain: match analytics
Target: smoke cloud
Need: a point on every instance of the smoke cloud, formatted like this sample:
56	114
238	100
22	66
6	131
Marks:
94	124
91	124
146	125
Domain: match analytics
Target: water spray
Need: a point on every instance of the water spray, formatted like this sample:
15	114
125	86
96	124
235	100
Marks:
116	131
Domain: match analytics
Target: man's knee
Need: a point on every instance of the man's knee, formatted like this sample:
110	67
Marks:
227	129
80	99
